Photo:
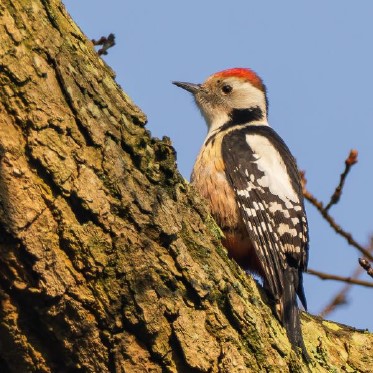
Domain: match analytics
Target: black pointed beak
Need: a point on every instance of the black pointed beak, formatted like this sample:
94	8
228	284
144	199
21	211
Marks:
190	87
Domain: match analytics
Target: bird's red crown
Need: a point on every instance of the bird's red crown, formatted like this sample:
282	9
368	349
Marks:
243	73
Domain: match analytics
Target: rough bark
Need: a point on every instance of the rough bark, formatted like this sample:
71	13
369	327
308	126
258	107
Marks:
108	261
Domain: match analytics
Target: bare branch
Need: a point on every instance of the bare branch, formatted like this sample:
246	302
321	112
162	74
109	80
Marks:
106	42
349	162
349	280
366	265
340	297
319	205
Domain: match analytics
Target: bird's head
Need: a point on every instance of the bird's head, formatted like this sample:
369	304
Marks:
235	96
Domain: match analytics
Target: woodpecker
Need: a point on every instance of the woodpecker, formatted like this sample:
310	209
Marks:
250	179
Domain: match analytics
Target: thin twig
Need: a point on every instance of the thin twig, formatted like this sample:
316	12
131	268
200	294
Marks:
349	162
106	42
349	280
339	300
320	207
366	265
341	297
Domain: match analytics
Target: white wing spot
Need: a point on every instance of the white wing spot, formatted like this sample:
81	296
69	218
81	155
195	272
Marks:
291	248
244	192
253	212
295	221
284	228
289	205
275	206
249	211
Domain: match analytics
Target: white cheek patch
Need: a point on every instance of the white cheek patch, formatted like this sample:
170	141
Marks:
270	162
245	95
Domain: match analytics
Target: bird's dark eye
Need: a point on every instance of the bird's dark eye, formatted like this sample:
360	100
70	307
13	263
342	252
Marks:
226	88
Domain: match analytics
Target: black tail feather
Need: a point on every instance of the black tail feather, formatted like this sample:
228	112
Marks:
300	290
290	314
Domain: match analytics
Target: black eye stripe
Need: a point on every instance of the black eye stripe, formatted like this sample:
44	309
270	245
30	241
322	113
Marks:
226	88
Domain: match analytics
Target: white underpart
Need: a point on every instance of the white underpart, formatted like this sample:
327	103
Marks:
270	162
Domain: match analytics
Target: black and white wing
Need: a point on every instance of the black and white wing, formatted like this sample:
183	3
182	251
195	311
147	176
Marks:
265	178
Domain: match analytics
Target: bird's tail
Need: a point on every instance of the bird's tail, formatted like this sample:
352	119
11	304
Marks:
290	310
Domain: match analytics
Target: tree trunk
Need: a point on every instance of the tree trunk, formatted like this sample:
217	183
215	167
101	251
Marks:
108	261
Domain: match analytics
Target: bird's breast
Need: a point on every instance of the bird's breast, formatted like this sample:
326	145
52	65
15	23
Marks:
209	179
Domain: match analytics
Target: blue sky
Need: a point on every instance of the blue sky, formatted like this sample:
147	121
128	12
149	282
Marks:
316	60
